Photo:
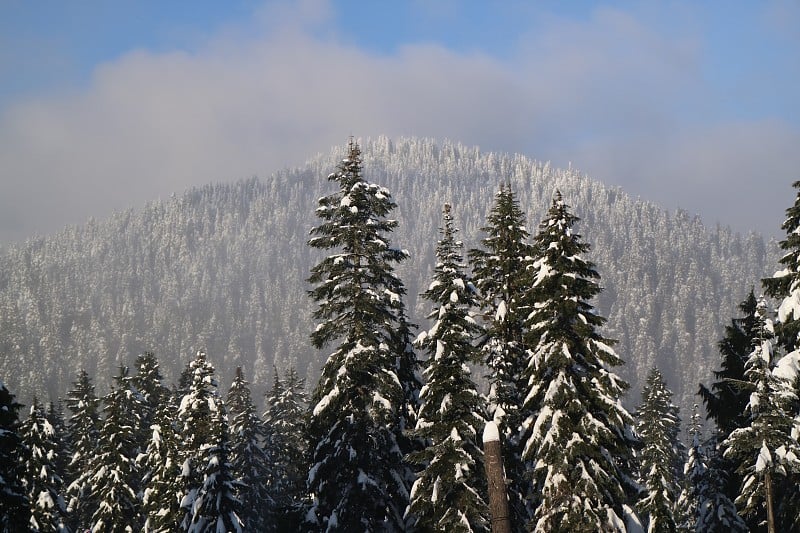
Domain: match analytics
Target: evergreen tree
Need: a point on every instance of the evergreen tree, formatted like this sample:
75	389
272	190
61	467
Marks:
161	488
14	505
42	483
285	423
579	439
766	449
501	272
661	457
115	470
83	429
62	451
148	385
358	478
216	508
249	462
784	285
449	494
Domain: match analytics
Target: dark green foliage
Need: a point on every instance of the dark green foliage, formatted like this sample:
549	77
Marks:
502	276
661	457
449	493
285	425
249	462
83	429
42	483
14	508
161	466
358	478
579	438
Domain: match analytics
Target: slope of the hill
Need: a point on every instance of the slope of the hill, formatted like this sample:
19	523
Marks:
223	268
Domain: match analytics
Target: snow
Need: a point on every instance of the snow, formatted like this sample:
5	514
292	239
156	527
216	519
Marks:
491	433
500	314
323	403
454	297
764	458
788	366
439	349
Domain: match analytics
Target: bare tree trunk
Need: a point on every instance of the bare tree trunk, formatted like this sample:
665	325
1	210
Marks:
770	511
498	497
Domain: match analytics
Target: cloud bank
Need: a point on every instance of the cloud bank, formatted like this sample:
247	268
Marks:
616	98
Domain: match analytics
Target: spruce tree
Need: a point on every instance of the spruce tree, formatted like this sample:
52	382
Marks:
285	423
449	493
360	405
14	505
83	428
579	438
501	271
766	449
661	456
42	484
115	472
249	462
161	487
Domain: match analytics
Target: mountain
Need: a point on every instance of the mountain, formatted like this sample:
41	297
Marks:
223	268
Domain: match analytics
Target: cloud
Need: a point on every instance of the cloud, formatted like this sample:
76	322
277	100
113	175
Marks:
609	94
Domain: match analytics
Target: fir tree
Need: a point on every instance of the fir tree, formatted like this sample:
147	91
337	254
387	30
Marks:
249	462
449	493
62	451
148	384
661	457
42	484
114	466
83	429
766	449
14	505
161	490
285	421
358	478
501	272
579	439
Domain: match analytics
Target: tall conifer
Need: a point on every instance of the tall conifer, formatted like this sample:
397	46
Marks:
14	508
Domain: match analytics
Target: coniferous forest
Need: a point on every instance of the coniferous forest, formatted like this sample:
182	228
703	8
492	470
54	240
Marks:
633	389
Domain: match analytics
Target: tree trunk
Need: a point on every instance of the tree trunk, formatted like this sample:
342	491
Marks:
498	497
770	512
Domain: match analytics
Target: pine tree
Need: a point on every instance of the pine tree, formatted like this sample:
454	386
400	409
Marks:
661	457
249	462
42	484
449	494
766	449
285	423
579	439
501	272
784	285
62	452
161	489
14	505
148	385
83	428
115	472
358	478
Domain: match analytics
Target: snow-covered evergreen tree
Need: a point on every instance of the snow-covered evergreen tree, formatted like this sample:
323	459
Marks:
161	487
285	421
661	457
358	478
14	505
449	493
215	508
579	438
115	471
84	431
766	449
249	462
42	483
502	276
149	385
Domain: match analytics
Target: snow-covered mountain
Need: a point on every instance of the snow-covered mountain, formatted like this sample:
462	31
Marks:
223	268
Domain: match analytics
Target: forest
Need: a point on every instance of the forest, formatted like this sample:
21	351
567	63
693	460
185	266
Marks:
388	436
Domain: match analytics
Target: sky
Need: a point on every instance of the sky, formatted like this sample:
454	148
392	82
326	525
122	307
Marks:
108	105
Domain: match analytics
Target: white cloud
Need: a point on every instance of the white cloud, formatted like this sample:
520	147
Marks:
608	94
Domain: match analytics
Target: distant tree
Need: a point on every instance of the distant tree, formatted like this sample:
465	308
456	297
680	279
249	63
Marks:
83	428
14	505
501	270
115	472
358	478
285	424
41	481
578	439
249	462
661	457
449	493
765	450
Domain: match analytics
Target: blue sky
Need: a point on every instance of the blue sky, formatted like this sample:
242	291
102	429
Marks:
106	105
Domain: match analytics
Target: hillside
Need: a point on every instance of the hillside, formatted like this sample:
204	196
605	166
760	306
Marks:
223	267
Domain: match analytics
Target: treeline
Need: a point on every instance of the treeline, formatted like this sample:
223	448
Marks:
391	437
